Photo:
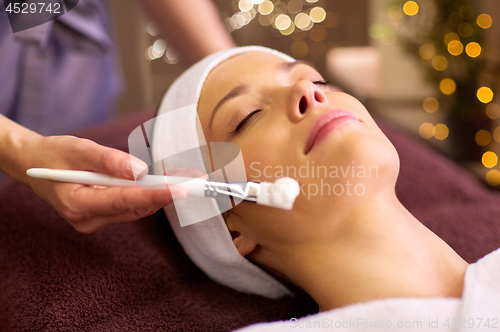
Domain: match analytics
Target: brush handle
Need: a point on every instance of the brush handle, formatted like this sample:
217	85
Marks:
194	186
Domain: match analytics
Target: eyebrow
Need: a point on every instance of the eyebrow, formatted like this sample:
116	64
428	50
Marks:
243	88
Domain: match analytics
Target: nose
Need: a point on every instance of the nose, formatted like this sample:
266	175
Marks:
304	97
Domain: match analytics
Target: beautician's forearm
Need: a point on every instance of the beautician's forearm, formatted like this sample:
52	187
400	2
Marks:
193	26
14	142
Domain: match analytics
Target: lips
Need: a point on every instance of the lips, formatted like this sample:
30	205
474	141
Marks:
326	123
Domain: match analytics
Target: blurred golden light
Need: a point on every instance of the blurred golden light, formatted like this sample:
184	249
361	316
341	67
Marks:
312	1
317	14
439	63
496	134
245	5
493	111
171	56
455	18
426	130
410	8
266	7
483	137
455	47
282	22
485	95
484	21
332	20
493	177
473	49
257	2
427	51
490	159
441	131
302	21
389	38
465	30
152	28
299	49
159	47
431	104
294	6
289	30
149	54
451	37
395	13
318	33
447	86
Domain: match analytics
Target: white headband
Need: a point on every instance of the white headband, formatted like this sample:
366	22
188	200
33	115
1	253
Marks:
207	243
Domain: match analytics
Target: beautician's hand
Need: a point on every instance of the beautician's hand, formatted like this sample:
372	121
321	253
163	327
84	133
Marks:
90	208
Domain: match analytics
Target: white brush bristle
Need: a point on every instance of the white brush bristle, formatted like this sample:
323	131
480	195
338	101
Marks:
280	194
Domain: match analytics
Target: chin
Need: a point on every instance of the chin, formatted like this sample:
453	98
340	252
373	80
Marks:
366	159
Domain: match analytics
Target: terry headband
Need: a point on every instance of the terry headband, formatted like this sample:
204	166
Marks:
208	243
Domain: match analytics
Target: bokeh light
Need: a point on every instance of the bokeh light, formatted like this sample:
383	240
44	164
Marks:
294	6
427	51
439	63
153	28
441	131
302	21
455	47
317	14
312	1
257	2
282	22
447	86
159	47
493	177
171	56
483	137
266	8
318	33
431	104
496	134
410	8
489	159
485	95
484	21
245	5
493	111
473	49
289	30
451	37
389	38
332	20
465	30
426	130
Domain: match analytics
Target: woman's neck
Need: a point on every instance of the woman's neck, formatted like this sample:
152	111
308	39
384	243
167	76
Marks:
382	252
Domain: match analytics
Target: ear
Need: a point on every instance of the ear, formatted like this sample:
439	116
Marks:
244	244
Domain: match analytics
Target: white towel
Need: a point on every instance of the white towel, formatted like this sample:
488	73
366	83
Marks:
477	310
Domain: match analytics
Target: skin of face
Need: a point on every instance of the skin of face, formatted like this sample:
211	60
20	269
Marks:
289	99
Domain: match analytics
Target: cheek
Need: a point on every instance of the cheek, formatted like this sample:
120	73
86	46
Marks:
266	154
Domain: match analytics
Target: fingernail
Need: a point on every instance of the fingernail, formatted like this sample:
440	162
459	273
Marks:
178	192
137	168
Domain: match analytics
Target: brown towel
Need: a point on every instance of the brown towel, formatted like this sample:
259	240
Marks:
135	276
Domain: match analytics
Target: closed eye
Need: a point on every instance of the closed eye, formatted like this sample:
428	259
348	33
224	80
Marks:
246	121
321	82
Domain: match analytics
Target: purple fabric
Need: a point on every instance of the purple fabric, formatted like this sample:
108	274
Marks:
62	75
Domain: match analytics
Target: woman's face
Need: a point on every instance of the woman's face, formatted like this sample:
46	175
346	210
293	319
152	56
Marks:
287	122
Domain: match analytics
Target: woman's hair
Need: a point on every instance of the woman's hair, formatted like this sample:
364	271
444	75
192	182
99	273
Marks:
205	236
